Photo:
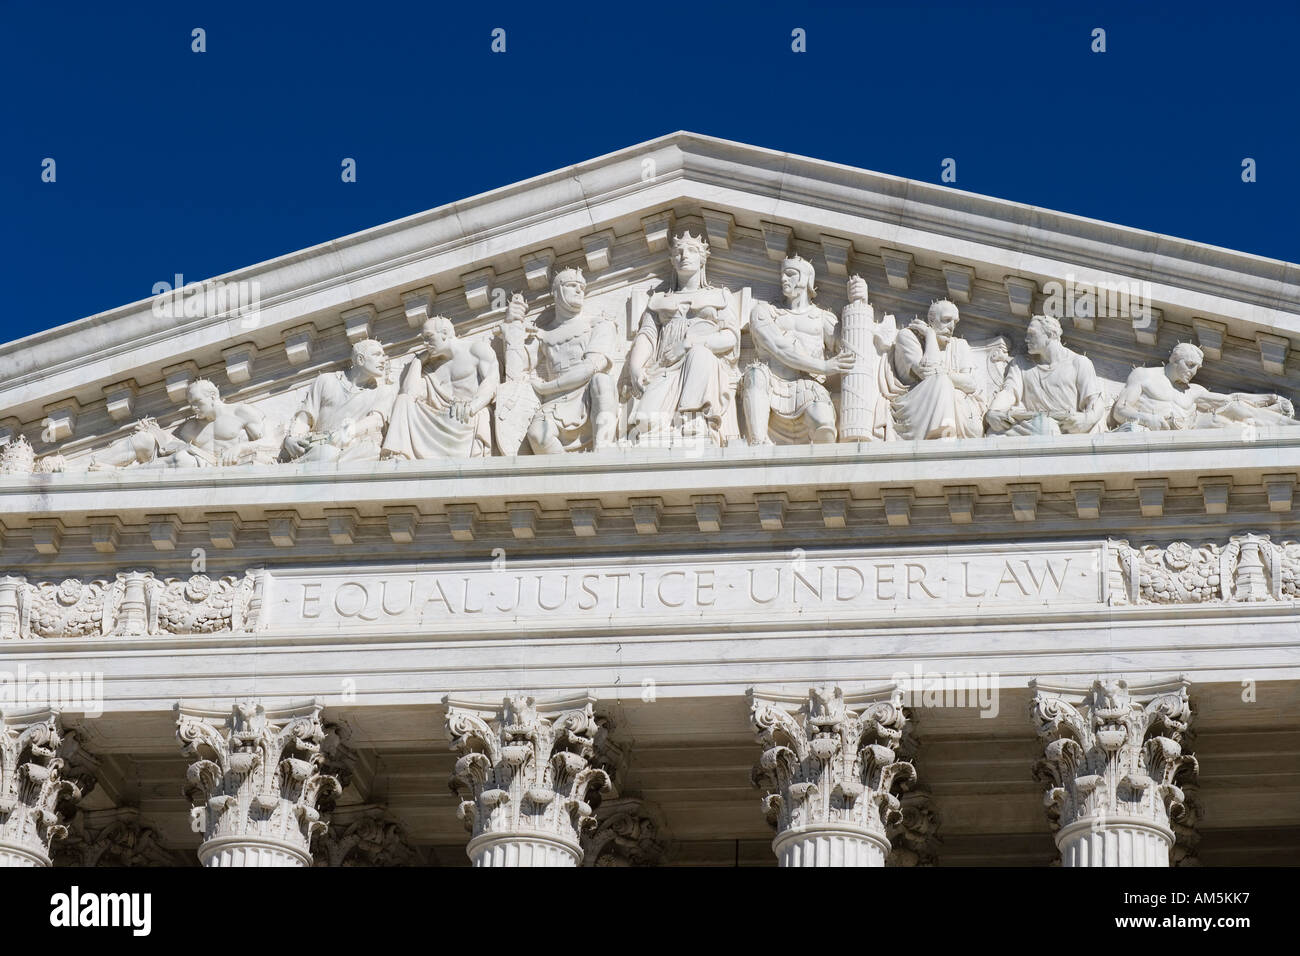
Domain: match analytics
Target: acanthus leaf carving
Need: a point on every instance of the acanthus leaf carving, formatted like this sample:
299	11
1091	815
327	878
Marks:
628	832
826	765
1113	754
527	769
43	775
116	837
255	777
364	837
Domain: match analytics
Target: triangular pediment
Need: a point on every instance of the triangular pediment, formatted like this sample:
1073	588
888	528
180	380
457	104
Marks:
76	388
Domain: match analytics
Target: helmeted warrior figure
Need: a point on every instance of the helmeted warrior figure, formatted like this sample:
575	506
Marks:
572	378
786	388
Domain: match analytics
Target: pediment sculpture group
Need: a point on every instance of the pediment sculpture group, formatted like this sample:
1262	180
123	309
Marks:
682	383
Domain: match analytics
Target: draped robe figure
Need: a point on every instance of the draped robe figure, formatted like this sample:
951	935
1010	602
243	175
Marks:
576	403
931	380
682	365
343	414
444	413
1050	391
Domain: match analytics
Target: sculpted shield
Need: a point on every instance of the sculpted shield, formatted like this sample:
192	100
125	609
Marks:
516	405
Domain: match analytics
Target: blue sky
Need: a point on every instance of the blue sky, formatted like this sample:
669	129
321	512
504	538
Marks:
170	161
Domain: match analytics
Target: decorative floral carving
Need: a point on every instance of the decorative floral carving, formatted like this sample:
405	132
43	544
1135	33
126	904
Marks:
629	832
43	774
256	777
1108	755
67	609
915	835
1249	567
134	604
1289	570
200	605
527	771
365	837
827	764
116	838
1180	574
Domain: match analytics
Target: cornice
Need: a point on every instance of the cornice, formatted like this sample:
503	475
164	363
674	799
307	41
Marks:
924	467
1144	488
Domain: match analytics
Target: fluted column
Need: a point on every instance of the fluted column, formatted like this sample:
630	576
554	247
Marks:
525	779
828	773
257	784
39	789
1113	763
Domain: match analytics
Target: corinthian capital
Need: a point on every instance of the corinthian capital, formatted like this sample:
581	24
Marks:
525	778
1113	761
827	768
257	784
40	784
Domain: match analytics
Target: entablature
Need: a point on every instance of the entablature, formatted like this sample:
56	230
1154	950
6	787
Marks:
1006	488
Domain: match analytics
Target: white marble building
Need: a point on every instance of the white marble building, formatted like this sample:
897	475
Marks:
653	559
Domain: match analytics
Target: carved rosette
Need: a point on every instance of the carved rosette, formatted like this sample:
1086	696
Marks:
828	773
134	604
257	785
39	787
1113	766
365	836
629	832
526	780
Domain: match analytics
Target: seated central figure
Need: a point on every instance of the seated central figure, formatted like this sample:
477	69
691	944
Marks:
682	365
